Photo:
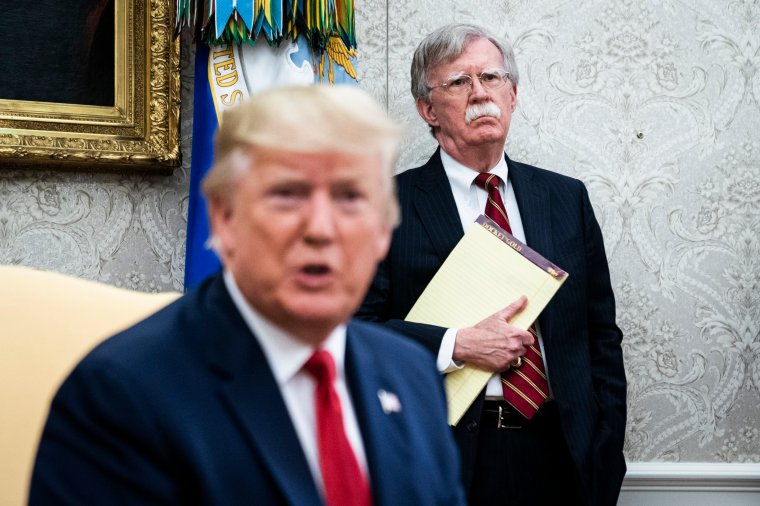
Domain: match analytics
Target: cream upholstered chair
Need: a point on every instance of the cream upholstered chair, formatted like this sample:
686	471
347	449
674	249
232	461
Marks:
48	321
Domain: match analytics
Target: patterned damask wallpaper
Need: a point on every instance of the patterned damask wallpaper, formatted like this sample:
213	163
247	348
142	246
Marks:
654	104
124	229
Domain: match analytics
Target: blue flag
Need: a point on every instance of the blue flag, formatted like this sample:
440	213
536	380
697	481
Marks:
224	77
200	261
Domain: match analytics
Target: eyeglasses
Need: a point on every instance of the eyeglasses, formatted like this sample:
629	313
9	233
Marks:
462	84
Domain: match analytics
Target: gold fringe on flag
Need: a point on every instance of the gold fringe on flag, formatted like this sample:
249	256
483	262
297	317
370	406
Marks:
327	25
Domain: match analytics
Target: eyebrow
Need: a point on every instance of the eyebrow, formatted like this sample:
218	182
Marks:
461	73
455	75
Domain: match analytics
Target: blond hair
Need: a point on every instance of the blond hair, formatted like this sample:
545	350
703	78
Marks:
304	119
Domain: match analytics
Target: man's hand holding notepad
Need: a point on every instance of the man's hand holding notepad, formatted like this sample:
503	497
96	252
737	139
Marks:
487	270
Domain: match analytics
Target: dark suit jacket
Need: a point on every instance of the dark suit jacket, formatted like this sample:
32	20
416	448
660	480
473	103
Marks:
183	409
581	339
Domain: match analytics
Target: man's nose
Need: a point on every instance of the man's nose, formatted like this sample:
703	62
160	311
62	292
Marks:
477	91
320	220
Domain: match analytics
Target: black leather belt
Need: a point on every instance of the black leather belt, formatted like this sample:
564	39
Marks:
501	415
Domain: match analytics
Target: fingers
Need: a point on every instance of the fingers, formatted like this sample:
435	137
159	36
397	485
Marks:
514	308
487	349
494	344
529	338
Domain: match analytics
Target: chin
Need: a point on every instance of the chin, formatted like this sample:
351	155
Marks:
489	135
317	312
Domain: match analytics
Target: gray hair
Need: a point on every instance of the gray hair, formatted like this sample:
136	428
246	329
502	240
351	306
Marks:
446	44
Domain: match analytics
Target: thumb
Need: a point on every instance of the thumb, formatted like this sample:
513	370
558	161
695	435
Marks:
511	310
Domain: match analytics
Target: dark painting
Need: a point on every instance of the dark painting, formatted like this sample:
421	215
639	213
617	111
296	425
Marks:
57	51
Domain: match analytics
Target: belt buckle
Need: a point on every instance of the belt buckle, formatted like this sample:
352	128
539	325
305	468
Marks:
502	424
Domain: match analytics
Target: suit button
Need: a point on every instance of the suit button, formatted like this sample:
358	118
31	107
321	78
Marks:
472	426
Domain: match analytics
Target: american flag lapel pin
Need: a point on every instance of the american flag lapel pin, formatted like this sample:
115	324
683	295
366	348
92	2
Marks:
389	401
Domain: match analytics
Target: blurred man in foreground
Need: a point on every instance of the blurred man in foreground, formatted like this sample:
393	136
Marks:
256	388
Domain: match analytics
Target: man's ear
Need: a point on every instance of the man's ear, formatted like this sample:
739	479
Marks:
427	112
220	221
383	242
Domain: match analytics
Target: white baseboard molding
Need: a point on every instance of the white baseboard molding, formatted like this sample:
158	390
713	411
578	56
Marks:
691	484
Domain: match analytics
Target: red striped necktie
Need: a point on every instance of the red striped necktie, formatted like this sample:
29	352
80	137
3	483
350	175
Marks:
525	387
345	483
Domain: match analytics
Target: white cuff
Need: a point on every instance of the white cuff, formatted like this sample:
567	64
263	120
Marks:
445	362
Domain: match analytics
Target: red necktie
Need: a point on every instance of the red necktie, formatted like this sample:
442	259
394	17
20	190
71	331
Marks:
525	387
345	483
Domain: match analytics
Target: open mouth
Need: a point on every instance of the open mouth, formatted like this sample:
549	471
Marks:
315	276
316	269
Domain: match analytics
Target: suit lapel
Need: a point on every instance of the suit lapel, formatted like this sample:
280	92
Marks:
252	394
435	205
535	208
387	453
534	202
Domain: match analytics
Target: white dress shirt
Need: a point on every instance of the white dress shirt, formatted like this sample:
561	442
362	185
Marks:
286	356
471	203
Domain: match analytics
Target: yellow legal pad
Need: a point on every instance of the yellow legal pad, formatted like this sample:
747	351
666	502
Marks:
486	271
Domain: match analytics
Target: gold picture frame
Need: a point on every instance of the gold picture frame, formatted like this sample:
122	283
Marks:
140	131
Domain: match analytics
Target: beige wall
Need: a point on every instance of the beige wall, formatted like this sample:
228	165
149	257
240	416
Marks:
655	105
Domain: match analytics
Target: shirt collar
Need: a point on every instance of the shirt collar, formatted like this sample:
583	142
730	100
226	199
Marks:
461	177
286	354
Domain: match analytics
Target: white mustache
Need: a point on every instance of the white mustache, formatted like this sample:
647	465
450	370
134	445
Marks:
479	110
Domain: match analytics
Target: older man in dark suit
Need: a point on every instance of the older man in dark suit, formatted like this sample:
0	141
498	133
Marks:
549	426
256	388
